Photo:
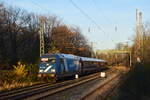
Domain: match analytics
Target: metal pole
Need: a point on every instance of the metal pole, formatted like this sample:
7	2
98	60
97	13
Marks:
41	36
130	59
92	49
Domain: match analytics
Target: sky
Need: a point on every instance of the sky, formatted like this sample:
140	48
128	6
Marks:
103	22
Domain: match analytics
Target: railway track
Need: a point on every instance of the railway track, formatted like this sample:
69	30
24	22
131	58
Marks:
8	93
106	88
42	90
100	92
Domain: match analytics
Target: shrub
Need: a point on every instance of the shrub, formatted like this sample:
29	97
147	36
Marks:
20	70
21	75
6	76
32	72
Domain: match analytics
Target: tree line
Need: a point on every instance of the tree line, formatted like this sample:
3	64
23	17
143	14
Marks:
20	41
144	49
136	85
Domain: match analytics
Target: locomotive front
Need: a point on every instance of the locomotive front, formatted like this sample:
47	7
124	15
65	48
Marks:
47	67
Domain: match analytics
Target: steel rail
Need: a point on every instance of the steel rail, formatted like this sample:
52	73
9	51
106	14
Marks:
31	91
60	89
19	93
101	86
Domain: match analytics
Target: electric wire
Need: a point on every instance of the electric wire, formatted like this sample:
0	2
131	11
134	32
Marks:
37	4
86	15
77	7
105	17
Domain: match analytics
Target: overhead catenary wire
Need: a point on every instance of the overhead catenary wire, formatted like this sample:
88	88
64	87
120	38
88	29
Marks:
75	5
82	11
38	5
87	16
102	13
105	17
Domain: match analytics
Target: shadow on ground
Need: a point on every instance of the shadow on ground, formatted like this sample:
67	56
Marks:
136	86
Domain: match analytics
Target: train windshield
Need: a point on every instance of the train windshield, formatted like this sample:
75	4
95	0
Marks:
47	65
48	60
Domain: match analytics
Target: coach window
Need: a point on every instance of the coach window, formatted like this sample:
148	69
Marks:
81	62
62	65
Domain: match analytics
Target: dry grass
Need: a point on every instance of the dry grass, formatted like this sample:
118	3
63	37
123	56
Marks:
122	68
18	77
7	86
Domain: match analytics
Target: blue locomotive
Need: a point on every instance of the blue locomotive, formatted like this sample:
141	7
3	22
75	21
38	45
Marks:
64	65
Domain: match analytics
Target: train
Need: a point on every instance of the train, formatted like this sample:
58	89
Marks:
60	65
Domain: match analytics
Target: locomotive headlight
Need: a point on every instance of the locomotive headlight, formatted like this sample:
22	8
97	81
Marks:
53	70
47	64
40	70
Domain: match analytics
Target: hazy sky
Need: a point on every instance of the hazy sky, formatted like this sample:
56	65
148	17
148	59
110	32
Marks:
115	19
